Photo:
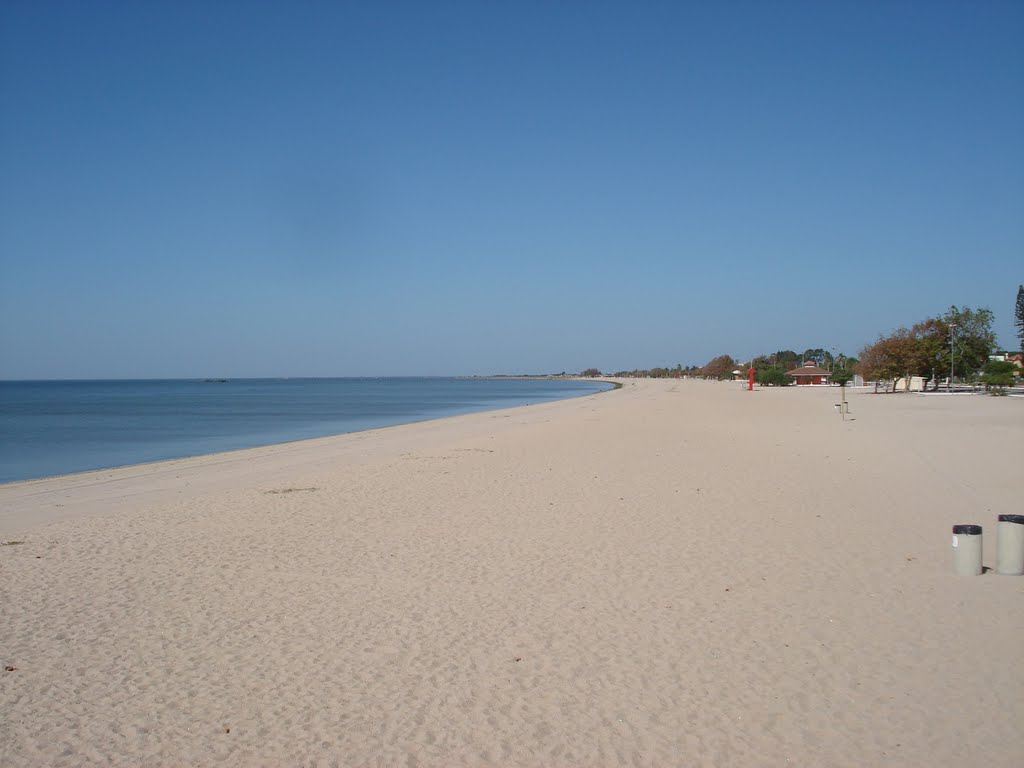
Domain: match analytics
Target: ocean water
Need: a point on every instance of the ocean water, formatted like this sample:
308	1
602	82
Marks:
57	427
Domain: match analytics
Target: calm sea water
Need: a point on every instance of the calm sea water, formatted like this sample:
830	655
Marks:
56	427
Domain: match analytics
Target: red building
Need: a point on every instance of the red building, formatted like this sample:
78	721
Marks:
809	373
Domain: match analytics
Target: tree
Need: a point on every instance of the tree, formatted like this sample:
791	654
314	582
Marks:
931	349
720	368
925	349
772	376
591	372
973	338
786	359
841	376
1019	316
817	356
889	358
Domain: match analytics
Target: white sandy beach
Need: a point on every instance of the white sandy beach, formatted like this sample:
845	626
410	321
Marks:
676	573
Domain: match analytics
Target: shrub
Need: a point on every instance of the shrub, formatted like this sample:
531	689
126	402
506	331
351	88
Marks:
773	377
998	373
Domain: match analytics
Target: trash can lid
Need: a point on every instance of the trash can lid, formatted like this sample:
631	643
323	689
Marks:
968	530
1012	519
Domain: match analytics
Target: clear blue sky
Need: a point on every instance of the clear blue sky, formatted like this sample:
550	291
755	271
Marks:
375	188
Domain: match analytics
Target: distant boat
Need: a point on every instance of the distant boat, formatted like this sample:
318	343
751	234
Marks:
215	381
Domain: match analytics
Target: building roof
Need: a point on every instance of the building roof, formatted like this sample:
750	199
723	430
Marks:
808	369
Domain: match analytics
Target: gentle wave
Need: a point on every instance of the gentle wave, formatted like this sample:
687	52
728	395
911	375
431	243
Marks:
58	427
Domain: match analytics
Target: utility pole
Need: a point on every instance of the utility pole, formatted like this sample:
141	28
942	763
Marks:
952	335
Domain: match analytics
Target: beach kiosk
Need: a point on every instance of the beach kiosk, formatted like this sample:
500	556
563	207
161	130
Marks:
808	374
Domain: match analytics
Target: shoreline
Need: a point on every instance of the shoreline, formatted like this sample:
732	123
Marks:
6	483
680	574
15	491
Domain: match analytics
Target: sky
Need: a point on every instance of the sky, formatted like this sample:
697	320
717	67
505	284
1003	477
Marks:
192	189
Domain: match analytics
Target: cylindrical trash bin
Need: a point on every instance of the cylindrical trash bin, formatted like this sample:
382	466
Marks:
967	550
1010	543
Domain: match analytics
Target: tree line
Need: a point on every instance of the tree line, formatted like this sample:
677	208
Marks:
957	344
954	345
769	369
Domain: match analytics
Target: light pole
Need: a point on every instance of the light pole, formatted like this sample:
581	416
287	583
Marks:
952	335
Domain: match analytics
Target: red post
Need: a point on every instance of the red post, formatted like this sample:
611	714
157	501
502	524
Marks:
750	382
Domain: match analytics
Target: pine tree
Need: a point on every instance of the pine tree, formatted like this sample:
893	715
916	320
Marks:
1019	322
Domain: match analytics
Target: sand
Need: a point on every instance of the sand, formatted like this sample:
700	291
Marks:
670	574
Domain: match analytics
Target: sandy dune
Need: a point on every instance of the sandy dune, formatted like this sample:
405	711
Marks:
670	574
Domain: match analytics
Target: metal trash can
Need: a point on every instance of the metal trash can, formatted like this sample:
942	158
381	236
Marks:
1010	545
967	550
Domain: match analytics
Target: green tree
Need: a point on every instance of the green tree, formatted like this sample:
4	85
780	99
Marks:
772	376
1019	316
973	338
841	376
930	355
591	372
817	356
786	359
